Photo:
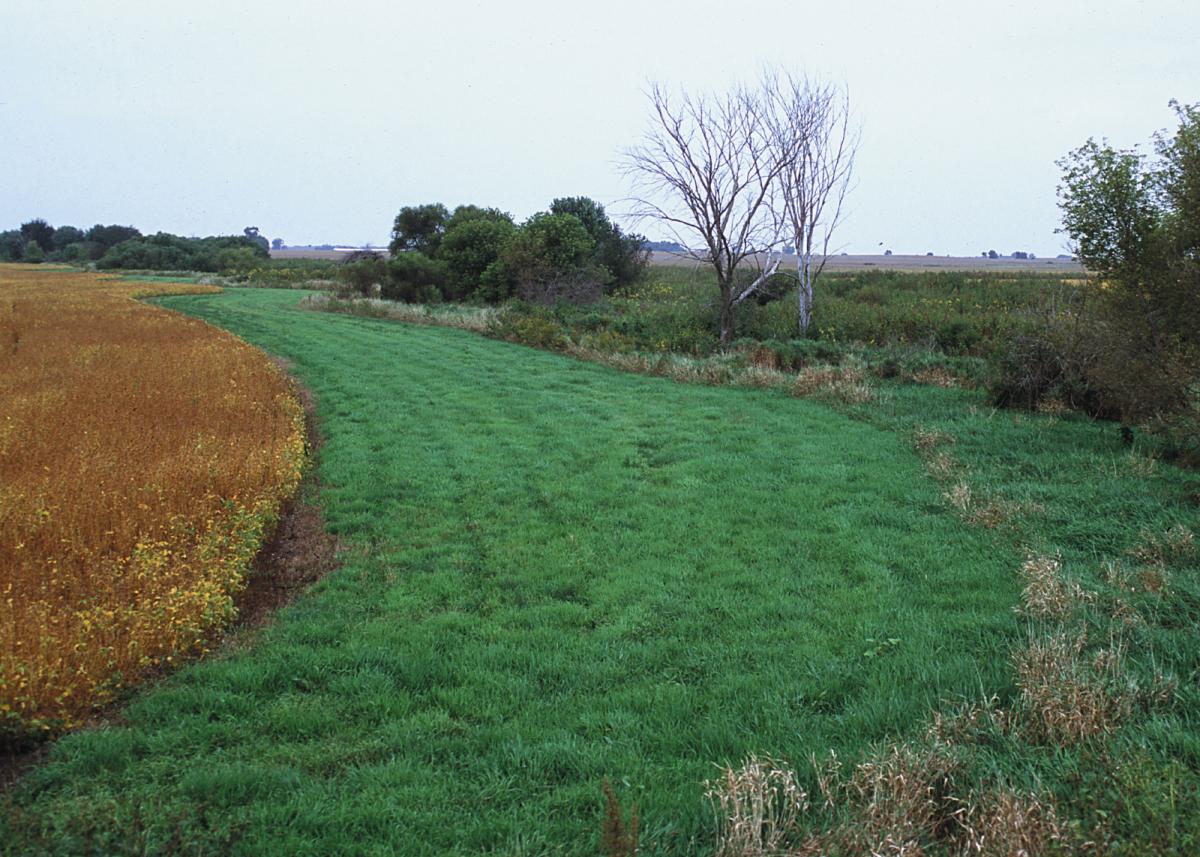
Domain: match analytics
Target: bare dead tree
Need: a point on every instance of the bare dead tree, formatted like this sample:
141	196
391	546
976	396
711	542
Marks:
706	170
812	122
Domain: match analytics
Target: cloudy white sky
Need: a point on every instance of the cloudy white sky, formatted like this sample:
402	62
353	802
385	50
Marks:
317	121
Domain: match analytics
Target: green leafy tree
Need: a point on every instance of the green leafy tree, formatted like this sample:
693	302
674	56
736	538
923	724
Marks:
12	245
40	231
469	249
65	235
420	228
252	234
624	256
33	253
1136	223
550	258
469	213
414	278
110	236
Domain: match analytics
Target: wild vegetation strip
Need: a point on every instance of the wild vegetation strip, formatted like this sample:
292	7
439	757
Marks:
143	455
556	575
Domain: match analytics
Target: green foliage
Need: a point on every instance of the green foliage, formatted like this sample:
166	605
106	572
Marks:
419	228
110	236
33	252
237	260
413	277
551	258
12	245
536	330
165	252
251	233
67	235
364	276
1135	222
470	246
625	257
40	231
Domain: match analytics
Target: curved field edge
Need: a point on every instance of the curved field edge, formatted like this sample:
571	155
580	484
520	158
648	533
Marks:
554	573
143	458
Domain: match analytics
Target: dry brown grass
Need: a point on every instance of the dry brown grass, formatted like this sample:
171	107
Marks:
1048	594
904	800
935	376
142	456
848	384
975	508
1161	551
1069	695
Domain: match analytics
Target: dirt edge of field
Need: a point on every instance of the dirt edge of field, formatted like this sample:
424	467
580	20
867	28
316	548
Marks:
297	554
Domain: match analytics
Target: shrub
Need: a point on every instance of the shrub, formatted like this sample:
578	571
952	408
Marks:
166	252
33	253
362	277
469	248
414	278
237	260
535	330
623	257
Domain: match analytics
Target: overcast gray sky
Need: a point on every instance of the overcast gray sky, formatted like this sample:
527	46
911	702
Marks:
317	121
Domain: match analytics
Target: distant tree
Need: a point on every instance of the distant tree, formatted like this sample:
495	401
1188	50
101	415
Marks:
550	257
992	254
110	236
413	277
40	231
887	252
33	253
706	169
469	248
65	235
420	228
12	245
251	232
1020	254
276	243
625	256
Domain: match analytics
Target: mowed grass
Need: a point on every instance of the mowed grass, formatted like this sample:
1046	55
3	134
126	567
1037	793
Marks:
552	573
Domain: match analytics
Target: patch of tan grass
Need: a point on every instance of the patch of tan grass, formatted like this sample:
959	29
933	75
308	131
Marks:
1048	594
903	800
1161	551
759	807
935	376
848	384
1067	696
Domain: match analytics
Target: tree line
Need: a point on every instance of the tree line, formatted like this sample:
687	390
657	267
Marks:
572	251
115	246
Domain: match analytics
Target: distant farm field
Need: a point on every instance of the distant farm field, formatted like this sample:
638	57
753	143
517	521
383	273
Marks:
142	454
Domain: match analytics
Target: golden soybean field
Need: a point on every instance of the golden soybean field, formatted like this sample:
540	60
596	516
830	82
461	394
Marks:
143	457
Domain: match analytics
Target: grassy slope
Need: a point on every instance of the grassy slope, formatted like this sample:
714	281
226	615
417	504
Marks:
556	573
